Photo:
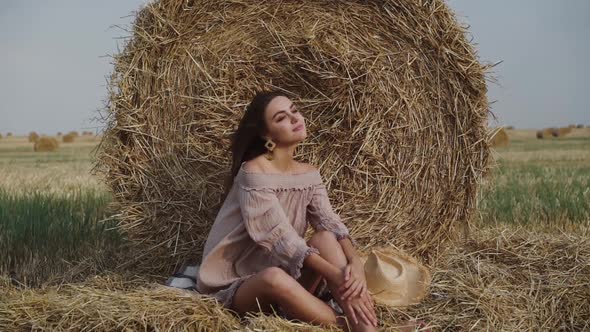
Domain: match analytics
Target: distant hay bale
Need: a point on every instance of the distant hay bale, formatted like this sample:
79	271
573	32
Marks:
560	132
87	133
9	134
547	132
499	138
45	144
580	126
33	137
68	138
59	133
540	134
510	127
73	133
412	143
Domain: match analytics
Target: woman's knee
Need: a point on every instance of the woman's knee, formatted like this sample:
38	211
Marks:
276	280
321	238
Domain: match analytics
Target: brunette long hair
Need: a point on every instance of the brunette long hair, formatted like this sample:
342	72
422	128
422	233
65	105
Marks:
247	142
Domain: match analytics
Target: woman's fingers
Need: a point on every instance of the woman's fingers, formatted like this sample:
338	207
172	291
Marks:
351	290
346	291
345	285
358	291
369	313
368	297
347	271
351	312
368	309
363	313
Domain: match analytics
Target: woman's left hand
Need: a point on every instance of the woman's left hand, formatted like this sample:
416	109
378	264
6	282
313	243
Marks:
356	268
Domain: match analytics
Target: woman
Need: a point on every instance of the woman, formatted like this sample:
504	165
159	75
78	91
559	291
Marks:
255	256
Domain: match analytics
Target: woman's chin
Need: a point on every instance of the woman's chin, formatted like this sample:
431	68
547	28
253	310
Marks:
300	135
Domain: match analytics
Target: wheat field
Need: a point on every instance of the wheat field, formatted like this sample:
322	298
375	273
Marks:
56	227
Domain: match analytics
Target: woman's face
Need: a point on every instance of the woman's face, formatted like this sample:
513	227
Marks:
285	123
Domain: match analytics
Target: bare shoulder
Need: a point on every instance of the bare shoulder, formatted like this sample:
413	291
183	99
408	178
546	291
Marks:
261	165
305	167
253	165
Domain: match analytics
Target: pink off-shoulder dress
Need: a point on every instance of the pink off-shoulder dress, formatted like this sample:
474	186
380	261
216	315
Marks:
261	224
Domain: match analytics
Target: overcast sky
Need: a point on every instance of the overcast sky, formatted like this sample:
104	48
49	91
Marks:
53	59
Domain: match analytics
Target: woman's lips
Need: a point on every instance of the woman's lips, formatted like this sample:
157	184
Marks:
298	128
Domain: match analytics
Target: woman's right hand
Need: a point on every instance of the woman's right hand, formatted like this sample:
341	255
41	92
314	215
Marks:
360	305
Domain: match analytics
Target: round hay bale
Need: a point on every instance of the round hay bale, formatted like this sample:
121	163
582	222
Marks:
68	138
74	133
33	137
45	144
59	133
393	93
499	138
540	134
580	126
510	127
548	132
9	134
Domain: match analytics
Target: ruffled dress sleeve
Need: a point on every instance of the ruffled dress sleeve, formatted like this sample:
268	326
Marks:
268	225
321	216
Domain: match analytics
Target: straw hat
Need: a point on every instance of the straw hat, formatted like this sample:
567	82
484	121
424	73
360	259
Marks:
395	278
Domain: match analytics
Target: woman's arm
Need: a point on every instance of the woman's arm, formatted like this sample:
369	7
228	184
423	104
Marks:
349	251
324	268
327	269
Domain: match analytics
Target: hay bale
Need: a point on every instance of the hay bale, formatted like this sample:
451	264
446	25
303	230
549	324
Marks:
510	127
45	144
368	101
539	134
499	138
9	134
73	133
560	132
33	137
59	133
580	126
68	138
548	132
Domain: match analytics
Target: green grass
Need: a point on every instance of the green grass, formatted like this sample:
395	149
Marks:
42	233
565	143
537	193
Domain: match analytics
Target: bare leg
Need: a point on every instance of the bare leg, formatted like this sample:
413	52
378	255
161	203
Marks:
273	285
310	280
331	251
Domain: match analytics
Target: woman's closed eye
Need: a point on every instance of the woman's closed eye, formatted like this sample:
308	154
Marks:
282	117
